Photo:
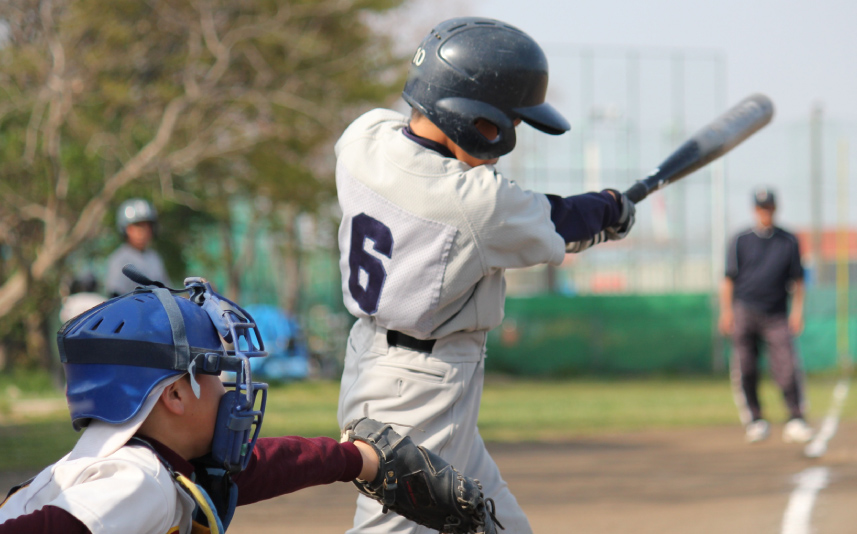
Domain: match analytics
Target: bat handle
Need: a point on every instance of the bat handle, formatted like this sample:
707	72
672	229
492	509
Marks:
637	192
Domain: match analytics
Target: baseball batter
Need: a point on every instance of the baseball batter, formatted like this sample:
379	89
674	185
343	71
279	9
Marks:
429	227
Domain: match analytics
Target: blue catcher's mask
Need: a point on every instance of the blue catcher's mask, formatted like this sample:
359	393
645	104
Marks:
116	353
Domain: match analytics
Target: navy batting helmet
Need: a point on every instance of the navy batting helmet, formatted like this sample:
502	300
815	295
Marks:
472	68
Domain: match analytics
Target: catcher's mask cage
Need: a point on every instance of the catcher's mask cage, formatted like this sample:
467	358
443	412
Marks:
472	68
116	353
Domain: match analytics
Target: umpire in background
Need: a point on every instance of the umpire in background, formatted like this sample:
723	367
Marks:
762	267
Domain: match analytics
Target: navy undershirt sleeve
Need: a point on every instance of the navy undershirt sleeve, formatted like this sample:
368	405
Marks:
581	217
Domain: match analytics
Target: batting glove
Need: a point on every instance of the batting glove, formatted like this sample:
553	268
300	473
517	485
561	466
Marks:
626	219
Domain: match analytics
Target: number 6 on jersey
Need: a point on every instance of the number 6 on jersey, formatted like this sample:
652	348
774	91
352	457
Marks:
362	227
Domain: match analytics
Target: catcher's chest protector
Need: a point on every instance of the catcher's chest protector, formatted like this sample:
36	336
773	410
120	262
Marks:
214	493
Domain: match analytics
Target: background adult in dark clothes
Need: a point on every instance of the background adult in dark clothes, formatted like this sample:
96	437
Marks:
763	267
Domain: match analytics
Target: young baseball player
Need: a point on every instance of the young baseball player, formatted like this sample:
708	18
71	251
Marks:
429	227
167	447
137	222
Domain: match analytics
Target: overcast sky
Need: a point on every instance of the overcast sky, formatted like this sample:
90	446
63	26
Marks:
797	52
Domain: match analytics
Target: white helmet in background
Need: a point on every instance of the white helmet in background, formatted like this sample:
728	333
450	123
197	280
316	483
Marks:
135	210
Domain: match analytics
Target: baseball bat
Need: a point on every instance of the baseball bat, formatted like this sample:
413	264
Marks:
714	140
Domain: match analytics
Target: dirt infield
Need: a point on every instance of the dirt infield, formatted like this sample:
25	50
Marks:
683	481
680	481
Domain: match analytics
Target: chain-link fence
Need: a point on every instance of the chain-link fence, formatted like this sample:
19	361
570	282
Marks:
629	109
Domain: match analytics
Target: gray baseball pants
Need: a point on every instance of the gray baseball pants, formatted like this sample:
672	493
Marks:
438	396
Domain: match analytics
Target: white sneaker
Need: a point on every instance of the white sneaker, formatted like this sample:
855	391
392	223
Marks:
757	431
797	431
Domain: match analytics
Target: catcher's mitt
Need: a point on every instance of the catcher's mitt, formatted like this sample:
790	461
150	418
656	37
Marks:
419	485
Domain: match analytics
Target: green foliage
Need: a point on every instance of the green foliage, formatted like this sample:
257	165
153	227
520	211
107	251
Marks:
189	104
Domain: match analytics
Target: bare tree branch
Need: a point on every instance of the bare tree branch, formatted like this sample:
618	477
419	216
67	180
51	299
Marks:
214	45
97	207
33	127
106	98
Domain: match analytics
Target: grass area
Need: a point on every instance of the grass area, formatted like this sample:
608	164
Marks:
19	385
512	410
27	384
35	445
561	410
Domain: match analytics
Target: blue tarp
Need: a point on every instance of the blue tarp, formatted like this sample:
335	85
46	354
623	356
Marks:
288	355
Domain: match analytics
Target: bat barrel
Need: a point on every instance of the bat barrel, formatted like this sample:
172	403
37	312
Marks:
714	140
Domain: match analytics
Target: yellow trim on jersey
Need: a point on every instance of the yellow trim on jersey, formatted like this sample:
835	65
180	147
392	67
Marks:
15	490
173	530
202	501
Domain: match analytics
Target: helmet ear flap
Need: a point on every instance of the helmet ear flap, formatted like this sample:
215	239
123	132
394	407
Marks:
457	116
491	67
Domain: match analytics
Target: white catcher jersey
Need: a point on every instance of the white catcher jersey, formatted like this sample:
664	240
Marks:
128	491
425	239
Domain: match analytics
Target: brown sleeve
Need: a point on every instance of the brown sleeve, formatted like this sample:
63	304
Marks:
290	463
48	520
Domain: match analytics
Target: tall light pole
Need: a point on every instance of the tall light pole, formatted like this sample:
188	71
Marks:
816	182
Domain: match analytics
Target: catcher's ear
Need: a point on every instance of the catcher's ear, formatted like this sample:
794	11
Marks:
170	401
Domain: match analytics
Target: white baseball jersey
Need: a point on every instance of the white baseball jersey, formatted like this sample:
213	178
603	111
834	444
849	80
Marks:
424	242
129	491
425	239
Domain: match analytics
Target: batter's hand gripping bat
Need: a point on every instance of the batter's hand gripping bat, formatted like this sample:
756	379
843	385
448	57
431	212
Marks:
708	144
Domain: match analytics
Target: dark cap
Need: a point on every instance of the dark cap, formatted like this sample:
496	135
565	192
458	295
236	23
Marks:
764	198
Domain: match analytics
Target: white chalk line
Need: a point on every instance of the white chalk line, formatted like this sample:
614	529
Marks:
818	446
797	519
799	510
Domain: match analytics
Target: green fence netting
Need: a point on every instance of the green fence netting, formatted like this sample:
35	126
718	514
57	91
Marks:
557	335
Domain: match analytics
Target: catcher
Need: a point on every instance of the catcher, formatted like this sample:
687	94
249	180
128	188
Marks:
168	448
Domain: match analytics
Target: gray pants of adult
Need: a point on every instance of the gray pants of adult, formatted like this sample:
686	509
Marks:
751	329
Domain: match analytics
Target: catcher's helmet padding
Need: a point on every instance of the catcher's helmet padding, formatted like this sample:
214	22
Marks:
115	354
473	68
